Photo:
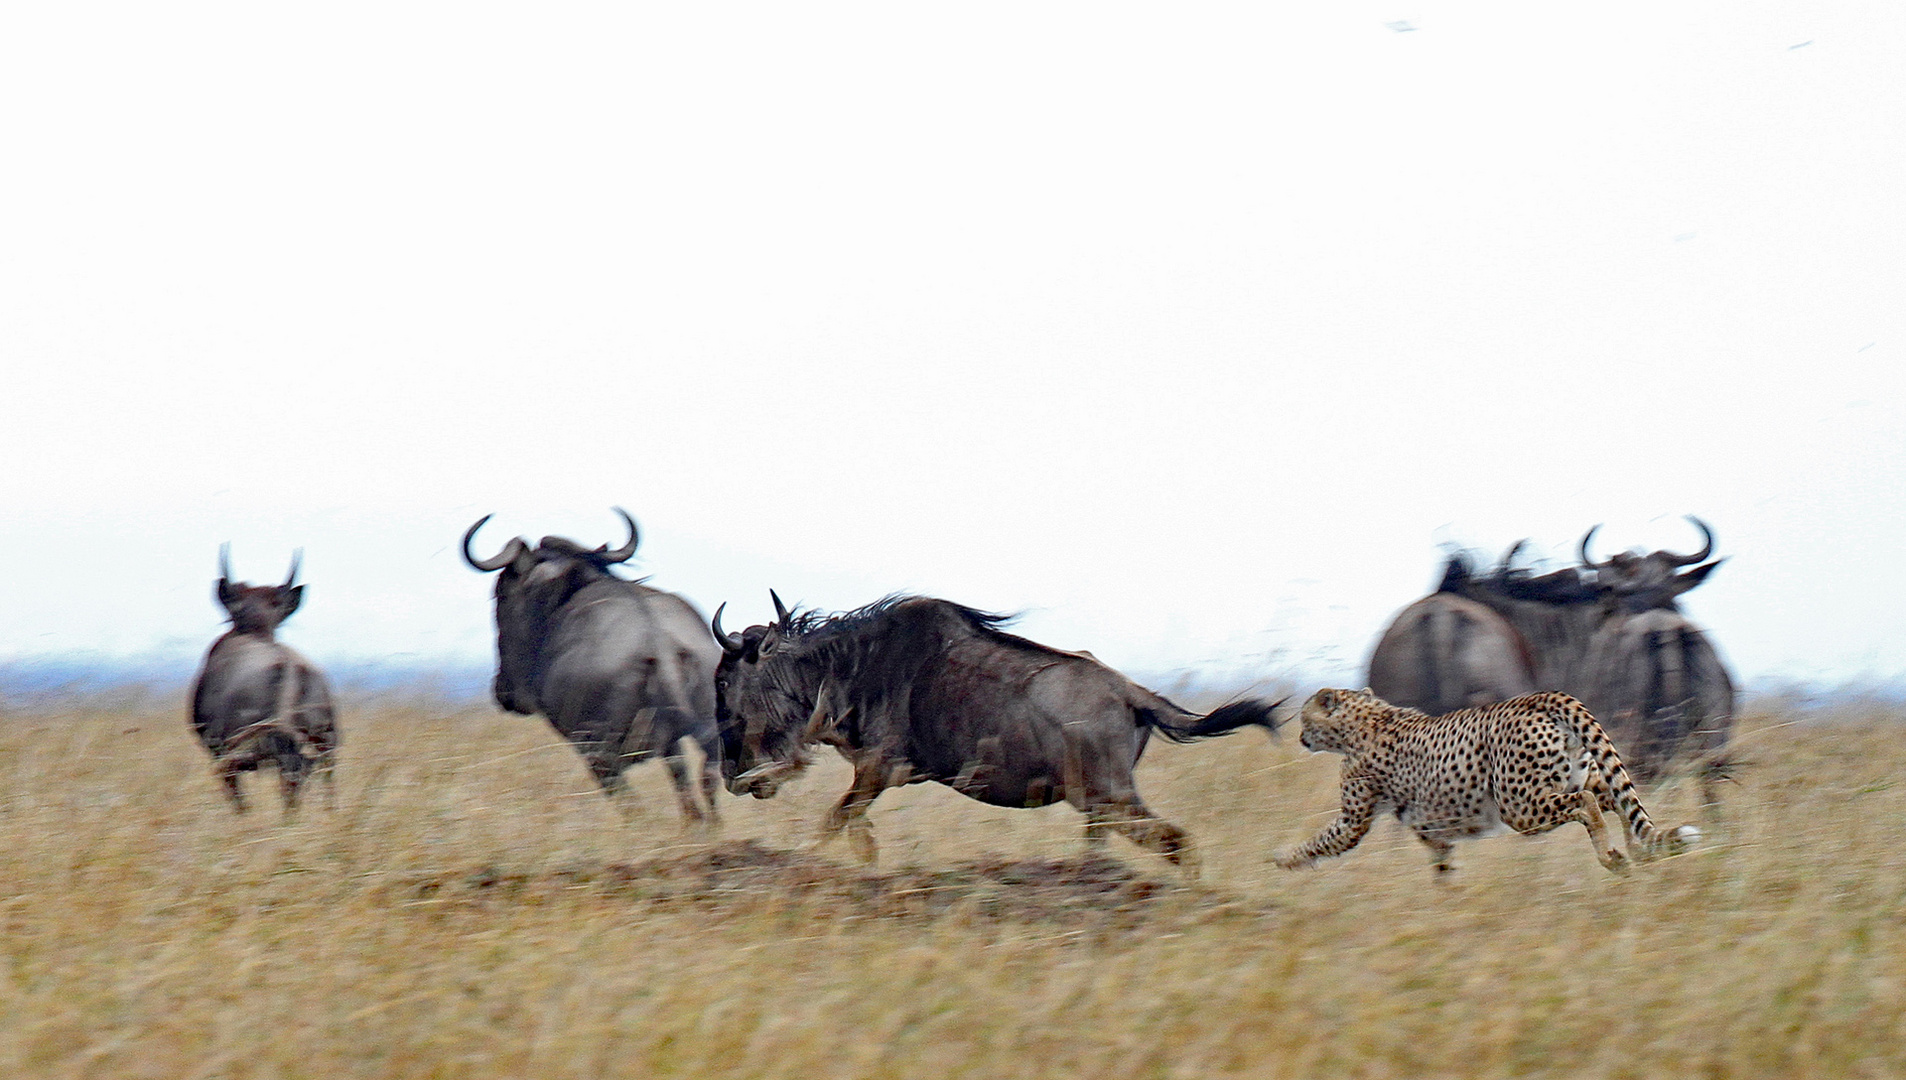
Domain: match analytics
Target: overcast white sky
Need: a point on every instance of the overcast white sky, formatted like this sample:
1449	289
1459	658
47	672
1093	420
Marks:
1190	330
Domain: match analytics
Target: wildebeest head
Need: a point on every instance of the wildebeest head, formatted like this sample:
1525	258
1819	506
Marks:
533	583
767	697
257	609
1638	582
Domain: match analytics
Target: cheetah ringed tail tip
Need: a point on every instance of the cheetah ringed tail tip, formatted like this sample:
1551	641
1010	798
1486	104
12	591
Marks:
1683	837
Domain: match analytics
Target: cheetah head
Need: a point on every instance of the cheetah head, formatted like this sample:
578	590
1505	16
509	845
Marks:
1333	719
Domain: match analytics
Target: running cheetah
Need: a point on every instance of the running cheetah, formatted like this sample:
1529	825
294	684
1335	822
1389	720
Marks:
1529	764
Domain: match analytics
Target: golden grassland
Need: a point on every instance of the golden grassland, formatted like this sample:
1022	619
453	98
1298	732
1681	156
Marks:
471	907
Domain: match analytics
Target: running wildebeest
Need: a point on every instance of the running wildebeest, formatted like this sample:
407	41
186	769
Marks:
911	689
256	701
622	671
1609	633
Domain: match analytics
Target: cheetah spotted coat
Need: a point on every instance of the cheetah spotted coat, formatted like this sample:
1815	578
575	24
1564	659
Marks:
1529	764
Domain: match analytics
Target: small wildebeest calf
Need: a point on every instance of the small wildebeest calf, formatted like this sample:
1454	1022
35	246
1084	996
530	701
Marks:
256	701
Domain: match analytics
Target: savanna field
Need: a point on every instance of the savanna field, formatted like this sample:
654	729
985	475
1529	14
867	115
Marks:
472	907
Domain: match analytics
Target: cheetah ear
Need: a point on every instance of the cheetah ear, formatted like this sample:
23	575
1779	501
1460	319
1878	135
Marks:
1366	692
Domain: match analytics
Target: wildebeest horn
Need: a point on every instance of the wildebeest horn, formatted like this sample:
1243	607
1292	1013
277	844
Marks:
626	551
1509	556
780	610
1707	545
511	551
297	556
730	643
1583	550
225	560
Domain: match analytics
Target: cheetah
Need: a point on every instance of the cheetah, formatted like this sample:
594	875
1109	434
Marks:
1530	764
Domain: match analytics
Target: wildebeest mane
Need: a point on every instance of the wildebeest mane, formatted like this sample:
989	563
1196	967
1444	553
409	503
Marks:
1568	585
818	629
876	654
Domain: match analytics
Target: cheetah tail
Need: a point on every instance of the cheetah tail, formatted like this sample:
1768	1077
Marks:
1594	740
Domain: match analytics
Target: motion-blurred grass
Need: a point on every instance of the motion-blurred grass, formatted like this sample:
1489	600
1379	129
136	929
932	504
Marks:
473	908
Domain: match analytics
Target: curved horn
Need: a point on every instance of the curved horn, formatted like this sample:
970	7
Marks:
1583	549
1509	556
225	560
626	551
780	610
297	557
511	551
1707	545
730	643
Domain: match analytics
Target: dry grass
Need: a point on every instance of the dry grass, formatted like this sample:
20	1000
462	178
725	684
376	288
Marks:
471	908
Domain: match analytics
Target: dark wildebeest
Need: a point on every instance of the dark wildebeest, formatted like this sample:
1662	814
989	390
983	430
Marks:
1608	633
1652	677
256	701
910	689
1447	652
621	670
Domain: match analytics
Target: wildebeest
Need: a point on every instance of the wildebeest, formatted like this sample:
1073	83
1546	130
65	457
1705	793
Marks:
621	670
1651	675
1609	633
255	700
911	689
1447	652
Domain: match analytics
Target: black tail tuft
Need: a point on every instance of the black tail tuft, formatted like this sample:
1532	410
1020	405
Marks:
1222	720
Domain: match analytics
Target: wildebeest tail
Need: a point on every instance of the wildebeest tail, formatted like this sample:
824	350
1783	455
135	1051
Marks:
265	739
280	731
1222	720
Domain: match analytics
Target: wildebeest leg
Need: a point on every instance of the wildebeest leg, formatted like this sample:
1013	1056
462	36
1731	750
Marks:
290	779
1096	824
684	784
326	768
606	766
227	771
291	773
1138	824
850	813
1098	784
711	783
1712	777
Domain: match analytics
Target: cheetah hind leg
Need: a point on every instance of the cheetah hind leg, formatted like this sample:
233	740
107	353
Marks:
1589	813
1558	808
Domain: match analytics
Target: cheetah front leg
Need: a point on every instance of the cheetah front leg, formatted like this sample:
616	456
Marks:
1352	822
